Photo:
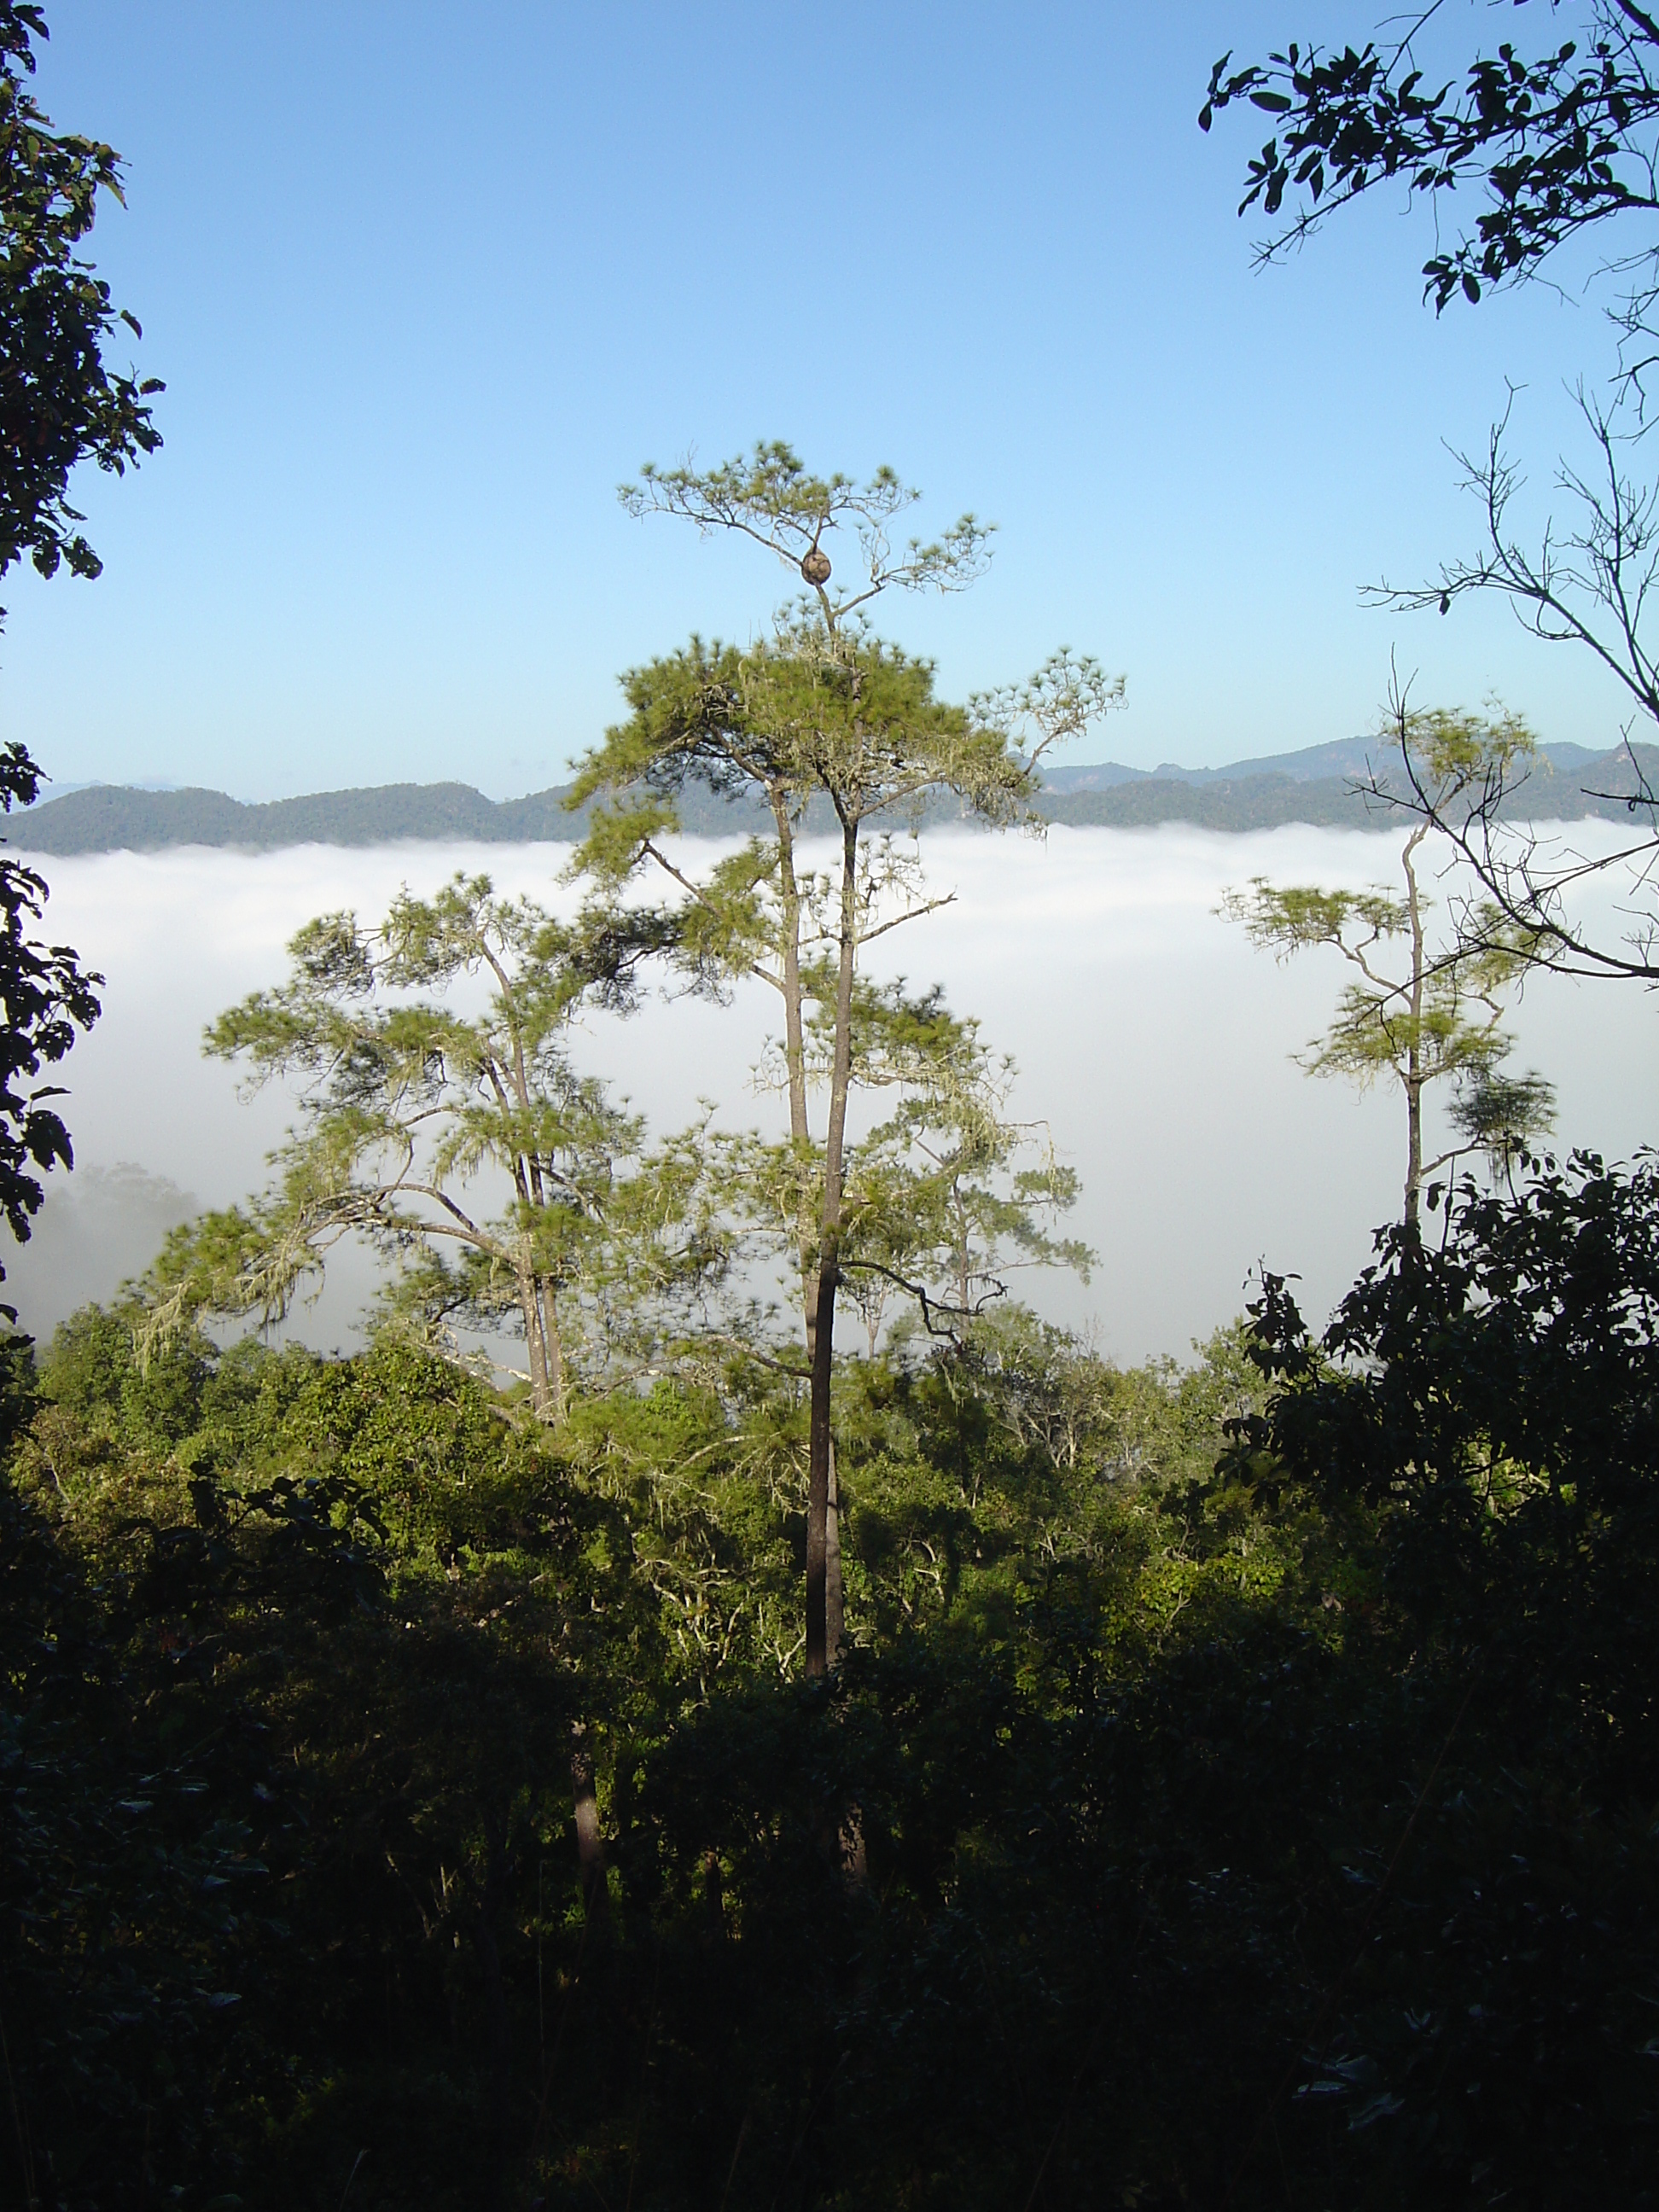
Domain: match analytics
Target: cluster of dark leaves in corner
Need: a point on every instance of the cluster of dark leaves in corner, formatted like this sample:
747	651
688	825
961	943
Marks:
1559	144
1489	1404
59	403
1240	1784
45	997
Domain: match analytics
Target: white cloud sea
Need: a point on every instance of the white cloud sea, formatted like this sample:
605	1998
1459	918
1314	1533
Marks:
1149	1036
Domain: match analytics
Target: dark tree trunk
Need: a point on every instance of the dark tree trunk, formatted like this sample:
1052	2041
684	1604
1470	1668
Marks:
817	1487
714	1897
833	1607
590	1845
824	1330
494	2179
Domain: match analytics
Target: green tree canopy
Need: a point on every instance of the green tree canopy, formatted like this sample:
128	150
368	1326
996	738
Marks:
1436	1011
412	1093
825	712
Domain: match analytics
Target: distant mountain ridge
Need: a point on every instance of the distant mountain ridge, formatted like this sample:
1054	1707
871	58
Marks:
1344	757
1313	785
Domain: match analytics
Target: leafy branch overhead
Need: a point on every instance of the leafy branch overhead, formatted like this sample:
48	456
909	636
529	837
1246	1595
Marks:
1556	145
1589	583
1552	147
59	401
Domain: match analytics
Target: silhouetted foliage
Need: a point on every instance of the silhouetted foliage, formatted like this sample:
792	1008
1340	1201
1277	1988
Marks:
1558	145
59	404
45	996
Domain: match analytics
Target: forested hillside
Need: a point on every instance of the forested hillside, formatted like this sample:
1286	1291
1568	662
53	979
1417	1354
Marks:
105	818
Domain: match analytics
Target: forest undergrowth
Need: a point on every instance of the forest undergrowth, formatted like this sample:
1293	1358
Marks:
1237	1785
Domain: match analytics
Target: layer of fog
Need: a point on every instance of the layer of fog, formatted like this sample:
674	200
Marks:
1150	1037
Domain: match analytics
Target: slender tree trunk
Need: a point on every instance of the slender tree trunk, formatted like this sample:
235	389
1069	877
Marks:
714	1897
794	1054
1413	1139
552	1351
489	1961
834	1606
794	1036
541	1396
527	1183
818	1485
801	1136
590	1844
1414	1077
817	1475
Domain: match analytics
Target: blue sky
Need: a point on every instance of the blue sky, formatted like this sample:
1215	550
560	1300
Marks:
425	284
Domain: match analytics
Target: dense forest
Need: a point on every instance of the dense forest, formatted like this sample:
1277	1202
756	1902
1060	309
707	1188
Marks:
719	1703
1232	1778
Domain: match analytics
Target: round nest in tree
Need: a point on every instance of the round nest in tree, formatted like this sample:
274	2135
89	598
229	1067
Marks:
815	566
